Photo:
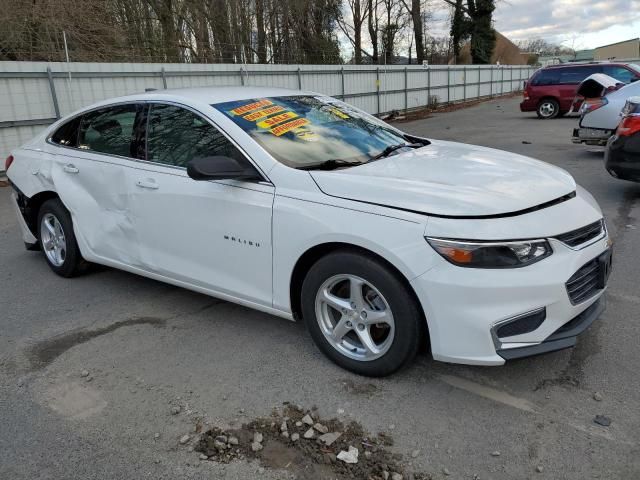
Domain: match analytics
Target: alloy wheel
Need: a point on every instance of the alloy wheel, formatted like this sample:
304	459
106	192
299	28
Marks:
547	109
354	317
54	242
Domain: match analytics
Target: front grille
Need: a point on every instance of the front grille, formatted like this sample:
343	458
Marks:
582	235
584	283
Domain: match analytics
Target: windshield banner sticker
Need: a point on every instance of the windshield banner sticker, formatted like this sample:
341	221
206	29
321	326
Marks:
263	113
251	106
339	113
271	121
287	127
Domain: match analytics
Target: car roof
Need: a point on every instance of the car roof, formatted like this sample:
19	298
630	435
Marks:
201	96
582	64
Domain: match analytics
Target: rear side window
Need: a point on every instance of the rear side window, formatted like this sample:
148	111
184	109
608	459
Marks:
620	73
175	136
109	130
546	77
67	134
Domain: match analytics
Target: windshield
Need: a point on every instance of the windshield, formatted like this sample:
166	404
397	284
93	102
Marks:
303	131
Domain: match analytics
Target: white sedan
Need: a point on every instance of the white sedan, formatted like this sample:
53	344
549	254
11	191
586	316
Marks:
302	206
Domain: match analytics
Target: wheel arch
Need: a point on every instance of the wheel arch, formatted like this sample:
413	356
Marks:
313	254
548	97
32	207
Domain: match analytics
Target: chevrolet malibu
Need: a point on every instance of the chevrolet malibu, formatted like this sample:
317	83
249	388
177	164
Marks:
302	206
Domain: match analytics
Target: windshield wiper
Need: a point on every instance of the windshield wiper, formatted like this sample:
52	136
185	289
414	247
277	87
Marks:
329	165
392	148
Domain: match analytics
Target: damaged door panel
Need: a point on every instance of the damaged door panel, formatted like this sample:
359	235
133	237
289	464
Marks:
91	178
97	195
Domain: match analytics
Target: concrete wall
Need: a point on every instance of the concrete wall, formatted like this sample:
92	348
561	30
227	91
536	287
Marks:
34	94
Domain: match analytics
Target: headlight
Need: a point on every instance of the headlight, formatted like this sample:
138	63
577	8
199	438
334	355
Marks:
480	254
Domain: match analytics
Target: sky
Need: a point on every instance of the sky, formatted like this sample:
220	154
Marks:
578	24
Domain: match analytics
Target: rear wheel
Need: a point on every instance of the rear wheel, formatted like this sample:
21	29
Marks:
548	108
360	314
57	240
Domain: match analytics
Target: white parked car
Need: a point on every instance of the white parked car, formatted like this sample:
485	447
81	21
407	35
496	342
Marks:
302	206
600	113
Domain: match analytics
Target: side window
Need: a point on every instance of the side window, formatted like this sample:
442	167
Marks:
576	75
176	136
67	134
619	73
109	130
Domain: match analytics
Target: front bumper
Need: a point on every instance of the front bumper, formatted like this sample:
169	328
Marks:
591	136
564	337
464	306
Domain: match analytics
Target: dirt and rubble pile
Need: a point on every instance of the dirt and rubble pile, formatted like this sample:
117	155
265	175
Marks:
308	446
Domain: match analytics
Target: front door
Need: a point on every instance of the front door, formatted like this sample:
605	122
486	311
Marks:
211	234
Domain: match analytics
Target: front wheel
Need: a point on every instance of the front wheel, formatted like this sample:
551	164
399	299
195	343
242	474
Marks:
548	108
57	239
361	314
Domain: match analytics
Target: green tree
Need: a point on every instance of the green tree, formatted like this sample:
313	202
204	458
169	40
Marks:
475	21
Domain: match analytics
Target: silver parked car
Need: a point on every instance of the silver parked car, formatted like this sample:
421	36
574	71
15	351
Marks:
600	112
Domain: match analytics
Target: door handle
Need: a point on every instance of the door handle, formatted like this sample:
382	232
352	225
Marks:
70	168
147	184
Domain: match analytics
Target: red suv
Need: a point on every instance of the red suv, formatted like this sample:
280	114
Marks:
551	90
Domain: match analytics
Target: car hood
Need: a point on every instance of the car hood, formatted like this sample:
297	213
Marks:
451	180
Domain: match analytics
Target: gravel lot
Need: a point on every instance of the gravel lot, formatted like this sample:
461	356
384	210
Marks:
93	370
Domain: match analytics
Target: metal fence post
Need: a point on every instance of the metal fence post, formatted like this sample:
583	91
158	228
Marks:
299	79
406	89
428	85
479	77
501	80
342	81
54	97
448	85
164	78
519	77
241	77
378	87
464	83
491	83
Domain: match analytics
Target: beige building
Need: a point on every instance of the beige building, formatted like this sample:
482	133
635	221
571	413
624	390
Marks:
622	50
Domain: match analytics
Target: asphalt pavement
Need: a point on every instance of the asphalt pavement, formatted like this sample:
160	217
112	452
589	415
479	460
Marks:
93	368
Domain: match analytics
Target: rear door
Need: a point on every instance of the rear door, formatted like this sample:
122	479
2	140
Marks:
211	234
89	173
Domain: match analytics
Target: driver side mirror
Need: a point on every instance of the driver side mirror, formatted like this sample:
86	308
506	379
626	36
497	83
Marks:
219	168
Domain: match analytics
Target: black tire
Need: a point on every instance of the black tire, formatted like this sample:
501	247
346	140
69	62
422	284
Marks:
408	320
73	264
548	108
